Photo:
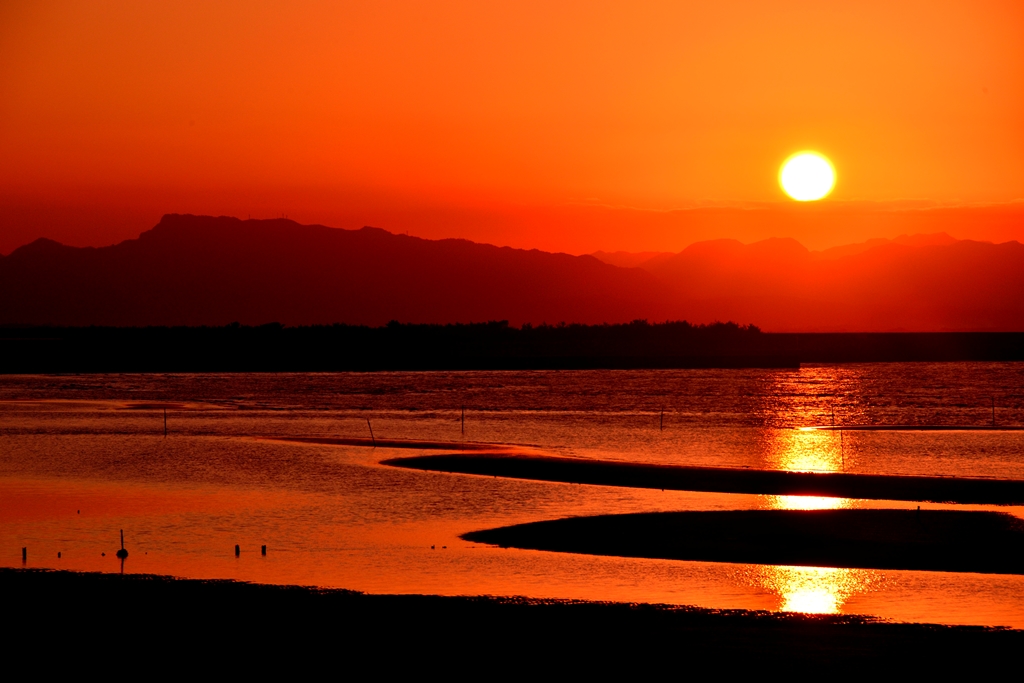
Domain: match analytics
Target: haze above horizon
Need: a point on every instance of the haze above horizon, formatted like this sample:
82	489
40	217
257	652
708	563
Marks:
553	125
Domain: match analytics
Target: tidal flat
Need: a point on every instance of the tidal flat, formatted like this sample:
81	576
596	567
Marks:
289	461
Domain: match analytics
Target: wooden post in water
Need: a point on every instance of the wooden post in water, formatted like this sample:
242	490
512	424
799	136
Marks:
263	550
24	555
238	551
371	432
165	423
661	423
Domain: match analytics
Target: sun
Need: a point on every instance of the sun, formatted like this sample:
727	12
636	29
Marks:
807	176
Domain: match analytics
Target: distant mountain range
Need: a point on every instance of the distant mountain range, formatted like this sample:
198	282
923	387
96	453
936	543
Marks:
198	270
911	283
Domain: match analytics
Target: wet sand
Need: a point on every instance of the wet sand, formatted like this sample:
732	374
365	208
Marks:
929	540
725	479
141	623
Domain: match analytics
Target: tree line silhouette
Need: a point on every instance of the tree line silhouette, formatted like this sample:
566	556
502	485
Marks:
491	345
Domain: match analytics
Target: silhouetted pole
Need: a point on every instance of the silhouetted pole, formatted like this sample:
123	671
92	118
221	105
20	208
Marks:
24	555
238	551
661	423
371	432
165	423
122	553
263	550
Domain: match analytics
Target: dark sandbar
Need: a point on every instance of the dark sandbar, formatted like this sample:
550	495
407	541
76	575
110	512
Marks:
919	428
930	540
726	479
396	443
150	624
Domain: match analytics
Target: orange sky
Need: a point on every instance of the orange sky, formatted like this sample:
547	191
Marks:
507	122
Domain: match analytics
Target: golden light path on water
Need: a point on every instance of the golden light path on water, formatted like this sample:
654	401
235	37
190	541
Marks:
813	590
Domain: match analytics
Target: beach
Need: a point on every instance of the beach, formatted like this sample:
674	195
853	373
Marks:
144	622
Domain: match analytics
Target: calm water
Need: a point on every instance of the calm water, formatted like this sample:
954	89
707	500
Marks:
84	456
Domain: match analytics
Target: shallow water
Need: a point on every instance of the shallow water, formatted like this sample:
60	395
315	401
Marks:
84	456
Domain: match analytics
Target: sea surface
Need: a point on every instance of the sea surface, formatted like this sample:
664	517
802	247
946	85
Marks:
84	456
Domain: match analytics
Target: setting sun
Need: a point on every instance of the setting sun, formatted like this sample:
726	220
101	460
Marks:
807	176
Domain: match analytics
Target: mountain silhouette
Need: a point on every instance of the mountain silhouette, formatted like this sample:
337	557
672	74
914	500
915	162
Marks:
198	270
911	283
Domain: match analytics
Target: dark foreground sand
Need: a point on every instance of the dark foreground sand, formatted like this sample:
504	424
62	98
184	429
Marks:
934	540
144	625
725	479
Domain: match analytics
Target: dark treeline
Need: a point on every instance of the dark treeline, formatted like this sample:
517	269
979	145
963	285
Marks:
492	345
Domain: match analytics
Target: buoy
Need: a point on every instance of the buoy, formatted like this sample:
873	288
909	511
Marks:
122	553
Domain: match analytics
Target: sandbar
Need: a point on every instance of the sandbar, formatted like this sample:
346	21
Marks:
962	490
928	540
397	443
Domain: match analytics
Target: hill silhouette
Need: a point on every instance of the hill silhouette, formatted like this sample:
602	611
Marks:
912	283
198	270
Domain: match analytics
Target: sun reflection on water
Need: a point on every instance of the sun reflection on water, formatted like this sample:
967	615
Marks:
813	590
802	450
805	503
798	450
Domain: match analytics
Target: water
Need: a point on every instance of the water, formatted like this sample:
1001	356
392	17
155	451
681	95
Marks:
84	456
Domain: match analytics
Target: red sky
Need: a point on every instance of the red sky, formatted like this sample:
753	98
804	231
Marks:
570	126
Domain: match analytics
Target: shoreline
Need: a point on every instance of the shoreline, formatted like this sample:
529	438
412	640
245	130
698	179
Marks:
146	617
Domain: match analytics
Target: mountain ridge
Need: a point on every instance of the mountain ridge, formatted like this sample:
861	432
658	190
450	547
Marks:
202	270
206	270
